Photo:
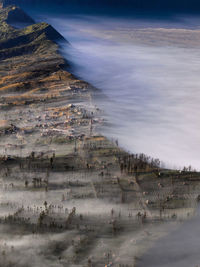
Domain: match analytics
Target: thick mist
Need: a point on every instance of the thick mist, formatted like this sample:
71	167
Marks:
149	72
173	251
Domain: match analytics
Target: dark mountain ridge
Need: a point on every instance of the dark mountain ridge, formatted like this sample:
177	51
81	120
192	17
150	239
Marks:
14	41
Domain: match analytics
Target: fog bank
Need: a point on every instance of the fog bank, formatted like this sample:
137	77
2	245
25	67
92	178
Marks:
150	74
173	250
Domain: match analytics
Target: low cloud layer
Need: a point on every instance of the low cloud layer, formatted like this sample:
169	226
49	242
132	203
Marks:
152	89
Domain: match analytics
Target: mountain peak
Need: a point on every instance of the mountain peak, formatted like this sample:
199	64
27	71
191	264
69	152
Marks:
13	14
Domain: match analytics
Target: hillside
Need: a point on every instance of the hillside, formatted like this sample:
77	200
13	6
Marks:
68	195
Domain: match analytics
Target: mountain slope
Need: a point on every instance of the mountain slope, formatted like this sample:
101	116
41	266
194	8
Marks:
25	46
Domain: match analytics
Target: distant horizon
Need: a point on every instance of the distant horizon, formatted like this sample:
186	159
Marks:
117	7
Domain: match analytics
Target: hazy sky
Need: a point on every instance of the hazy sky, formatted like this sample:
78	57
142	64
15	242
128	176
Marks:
159	7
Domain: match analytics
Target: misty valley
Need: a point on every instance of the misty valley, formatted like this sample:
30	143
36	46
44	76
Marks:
99	136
